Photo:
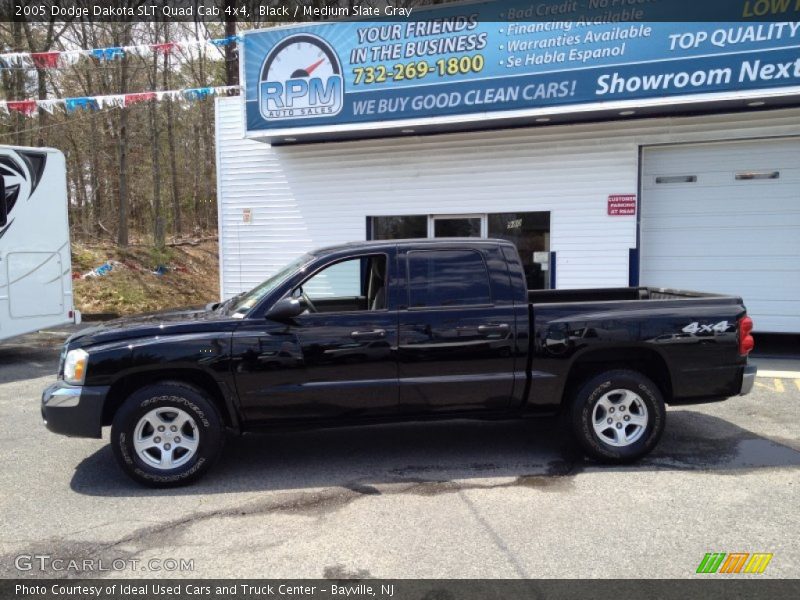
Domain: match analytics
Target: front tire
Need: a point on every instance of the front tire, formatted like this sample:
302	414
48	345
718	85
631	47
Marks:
618	416
167	434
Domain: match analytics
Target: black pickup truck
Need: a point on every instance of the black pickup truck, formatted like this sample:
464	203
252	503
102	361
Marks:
403	330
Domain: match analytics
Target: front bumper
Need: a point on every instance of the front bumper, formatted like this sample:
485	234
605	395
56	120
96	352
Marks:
75	411
748	379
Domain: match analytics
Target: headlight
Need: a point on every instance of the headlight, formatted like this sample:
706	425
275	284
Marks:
75	366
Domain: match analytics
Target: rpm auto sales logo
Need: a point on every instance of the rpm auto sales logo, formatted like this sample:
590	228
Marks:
301	78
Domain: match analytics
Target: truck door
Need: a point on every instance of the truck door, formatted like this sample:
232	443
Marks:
335	360
457	328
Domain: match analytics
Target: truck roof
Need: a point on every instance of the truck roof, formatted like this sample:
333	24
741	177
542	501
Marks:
412	242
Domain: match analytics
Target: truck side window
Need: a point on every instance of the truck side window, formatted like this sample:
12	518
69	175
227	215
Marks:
438	278
349	285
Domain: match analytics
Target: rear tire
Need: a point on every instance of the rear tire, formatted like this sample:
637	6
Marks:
167	434
617	416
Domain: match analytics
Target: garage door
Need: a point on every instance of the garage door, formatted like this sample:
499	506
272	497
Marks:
726	218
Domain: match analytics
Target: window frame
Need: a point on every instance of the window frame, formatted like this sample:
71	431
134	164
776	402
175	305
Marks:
491	303
482	217
372	225
312	274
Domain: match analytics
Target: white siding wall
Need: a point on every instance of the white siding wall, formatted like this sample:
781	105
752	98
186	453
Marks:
313	195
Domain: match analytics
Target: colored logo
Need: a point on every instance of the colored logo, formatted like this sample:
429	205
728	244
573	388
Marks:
21	175
301	78
736	562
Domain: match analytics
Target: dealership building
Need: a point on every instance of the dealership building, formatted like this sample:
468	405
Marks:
611	154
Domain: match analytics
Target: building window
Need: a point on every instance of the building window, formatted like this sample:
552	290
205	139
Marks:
457	227
754	175
398	228
676	179
530	233
443	278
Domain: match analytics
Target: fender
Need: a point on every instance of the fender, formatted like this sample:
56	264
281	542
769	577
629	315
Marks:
202	359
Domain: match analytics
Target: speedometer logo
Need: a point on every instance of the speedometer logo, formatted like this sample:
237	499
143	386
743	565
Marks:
301	78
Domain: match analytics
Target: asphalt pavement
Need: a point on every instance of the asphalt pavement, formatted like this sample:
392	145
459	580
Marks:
437	500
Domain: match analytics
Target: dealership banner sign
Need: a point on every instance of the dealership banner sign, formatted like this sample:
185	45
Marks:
489	59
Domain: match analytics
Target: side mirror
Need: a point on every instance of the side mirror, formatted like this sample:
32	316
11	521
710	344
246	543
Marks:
285	309
3	205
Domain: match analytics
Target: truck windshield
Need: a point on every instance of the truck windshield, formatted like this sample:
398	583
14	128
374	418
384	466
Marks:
241	305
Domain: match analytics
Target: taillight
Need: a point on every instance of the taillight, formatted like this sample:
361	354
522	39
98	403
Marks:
746	341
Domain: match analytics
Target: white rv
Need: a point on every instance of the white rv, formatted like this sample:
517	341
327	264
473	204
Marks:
35	262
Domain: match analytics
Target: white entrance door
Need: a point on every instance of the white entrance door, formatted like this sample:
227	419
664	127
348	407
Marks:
726	218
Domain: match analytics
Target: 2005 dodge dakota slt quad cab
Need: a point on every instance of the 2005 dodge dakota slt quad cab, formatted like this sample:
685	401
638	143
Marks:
403	330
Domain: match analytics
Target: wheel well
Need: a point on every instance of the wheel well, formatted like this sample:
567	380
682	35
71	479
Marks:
125	386
647	362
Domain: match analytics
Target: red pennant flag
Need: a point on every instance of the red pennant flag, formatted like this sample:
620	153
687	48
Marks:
26	107
165	48
45	60
136	98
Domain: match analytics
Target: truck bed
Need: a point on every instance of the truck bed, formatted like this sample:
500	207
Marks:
613	294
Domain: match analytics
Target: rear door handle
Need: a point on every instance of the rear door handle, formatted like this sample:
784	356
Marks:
493	328
369	335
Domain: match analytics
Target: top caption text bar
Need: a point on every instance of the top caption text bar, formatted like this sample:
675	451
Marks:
262	13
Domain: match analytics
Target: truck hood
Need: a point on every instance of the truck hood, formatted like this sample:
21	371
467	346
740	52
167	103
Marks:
161	324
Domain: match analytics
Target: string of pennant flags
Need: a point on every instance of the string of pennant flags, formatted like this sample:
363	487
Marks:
92	103
58	58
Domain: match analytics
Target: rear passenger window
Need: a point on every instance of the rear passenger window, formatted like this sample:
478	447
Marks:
438	278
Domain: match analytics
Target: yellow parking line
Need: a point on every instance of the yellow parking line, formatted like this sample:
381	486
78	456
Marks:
776	387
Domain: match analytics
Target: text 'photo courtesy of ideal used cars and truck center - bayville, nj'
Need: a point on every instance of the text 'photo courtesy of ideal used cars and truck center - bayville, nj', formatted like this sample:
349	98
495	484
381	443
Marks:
400	299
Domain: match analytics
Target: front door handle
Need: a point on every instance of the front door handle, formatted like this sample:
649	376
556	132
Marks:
375	334
493	328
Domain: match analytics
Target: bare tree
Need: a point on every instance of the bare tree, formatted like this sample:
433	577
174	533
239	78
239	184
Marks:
158	216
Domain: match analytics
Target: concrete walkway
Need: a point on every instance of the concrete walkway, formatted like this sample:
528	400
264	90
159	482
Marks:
777	356
782	368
